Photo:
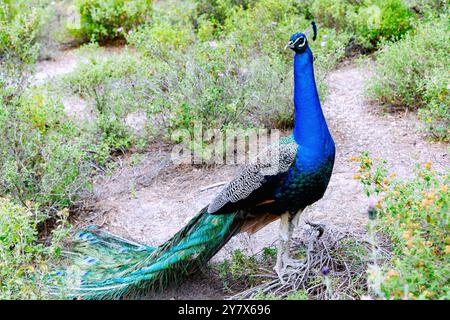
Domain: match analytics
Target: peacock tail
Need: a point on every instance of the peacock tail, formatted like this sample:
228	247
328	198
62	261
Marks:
100	265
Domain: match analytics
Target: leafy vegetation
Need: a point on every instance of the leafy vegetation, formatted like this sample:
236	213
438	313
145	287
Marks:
44	157
106	84
103	20
238	271
413	73
20	27
382	20
370	22
414	215
24	260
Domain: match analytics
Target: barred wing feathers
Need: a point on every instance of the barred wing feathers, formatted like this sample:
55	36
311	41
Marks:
252	180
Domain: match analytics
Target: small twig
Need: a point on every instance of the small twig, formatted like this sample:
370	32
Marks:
215	185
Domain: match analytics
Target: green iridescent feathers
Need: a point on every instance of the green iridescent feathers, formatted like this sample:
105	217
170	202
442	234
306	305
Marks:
103	266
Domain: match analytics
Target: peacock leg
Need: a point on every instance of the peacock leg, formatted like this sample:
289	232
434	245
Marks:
284	261
318	227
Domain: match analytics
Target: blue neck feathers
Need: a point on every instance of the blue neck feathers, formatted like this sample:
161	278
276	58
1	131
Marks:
310	129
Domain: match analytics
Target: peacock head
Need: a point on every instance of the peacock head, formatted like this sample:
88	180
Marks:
299	42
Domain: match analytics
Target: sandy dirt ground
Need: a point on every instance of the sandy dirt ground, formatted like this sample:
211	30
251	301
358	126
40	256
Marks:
151	200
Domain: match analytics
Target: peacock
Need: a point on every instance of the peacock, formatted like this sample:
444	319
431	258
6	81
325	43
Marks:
290	175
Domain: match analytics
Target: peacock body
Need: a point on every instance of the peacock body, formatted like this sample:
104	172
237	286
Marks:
286	178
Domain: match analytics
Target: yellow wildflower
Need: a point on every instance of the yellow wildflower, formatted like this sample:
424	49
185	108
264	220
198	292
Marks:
392	273
428	165
407	235
425	203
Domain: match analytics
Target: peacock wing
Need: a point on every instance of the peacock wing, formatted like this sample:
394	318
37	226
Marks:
252	180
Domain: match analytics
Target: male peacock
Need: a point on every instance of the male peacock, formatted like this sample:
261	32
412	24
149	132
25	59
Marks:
283	181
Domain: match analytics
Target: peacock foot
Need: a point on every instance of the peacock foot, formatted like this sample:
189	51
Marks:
287	267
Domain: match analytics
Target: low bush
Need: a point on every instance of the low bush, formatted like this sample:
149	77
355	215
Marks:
428	7
20	27
239	270
45	157
115	89
380	20
336	14
371	21
217	11
413	73
103	20
414	215
24	260
435	113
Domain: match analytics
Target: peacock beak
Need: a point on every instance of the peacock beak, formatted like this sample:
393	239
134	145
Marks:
289	45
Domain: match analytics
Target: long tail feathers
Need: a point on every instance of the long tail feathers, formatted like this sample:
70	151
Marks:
103	266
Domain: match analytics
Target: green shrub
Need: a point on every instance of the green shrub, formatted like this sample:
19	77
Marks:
218	11
24	261
44	159
240	269
414	215
370	21
413	73
265	26
436	115
158	37
335	14
295	295
428	7
107	85
20	26
379	20
103	20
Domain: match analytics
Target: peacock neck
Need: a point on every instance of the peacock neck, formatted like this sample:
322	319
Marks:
310	128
